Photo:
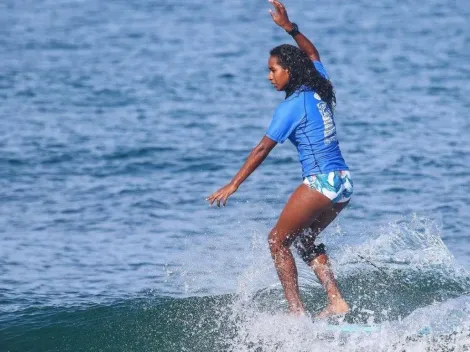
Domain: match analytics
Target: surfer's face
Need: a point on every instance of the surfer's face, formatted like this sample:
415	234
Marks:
278	76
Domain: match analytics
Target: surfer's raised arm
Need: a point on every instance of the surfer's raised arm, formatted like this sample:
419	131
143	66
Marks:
256	157
282	20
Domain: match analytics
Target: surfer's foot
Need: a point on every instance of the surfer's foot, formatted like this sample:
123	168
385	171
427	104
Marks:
337	307
297	312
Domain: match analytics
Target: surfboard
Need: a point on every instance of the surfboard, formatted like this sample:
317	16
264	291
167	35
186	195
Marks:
353	328
362	328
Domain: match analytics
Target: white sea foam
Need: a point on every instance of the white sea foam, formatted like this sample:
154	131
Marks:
411	289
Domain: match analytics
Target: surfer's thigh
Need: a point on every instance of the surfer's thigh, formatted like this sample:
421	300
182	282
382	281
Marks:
305	242
326	218
302	208
338	187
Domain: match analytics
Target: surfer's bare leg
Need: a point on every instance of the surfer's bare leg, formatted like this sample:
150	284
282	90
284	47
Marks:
336	303
322	268
303	207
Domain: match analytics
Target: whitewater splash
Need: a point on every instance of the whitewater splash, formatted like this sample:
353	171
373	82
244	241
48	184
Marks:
403	280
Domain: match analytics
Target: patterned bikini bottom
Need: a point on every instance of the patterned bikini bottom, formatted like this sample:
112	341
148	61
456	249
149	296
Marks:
336	185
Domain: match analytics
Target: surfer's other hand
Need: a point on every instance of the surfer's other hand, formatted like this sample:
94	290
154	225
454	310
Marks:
222	195
280	15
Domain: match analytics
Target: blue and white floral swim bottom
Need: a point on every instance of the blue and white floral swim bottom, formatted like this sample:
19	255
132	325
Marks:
336	185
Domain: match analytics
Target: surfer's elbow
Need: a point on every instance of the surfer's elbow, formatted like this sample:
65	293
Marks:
261	149
260	152
264	147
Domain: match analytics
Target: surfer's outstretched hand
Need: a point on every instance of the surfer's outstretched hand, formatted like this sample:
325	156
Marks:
280	15
222	195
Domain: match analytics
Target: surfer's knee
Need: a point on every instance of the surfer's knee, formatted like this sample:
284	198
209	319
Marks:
278	241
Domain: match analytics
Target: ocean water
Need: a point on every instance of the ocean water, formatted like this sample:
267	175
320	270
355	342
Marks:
118	118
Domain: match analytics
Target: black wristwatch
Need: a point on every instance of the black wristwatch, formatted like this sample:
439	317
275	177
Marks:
294	31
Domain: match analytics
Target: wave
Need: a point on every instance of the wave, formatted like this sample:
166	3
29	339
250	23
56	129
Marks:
403	280
225	323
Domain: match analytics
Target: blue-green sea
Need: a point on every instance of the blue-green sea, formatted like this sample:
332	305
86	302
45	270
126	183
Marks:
117	120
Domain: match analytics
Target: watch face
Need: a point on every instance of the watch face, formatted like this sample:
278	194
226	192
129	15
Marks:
295	29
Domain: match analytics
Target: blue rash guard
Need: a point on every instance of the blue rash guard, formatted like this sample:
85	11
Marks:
309	124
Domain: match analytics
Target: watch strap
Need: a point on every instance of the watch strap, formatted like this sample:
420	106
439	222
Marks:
294	31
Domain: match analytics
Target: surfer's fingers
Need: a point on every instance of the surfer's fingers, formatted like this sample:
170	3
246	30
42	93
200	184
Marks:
212	198
211	202
221	195
280	4
280	7
273	2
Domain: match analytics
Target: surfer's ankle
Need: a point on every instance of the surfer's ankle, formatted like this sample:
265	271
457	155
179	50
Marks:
339	307
336	299
297	310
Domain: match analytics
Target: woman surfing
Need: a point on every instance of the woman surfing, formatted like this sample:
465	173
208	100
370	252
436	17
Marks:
306	118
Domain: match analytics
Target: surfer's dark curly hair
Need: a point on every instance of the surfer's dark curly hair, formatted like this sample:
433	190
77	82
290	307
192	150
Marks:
302	73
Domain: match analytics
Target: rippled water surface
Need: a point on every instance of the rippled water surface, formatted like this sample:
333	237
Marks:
118	118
